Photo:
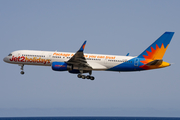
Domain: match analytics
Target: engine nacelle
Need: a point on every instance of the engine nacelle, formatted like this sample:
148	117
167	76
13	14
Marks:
61	66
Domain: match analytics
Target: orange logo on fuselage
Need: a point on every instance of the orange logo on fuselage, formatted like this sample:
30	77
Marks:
86	56
61	54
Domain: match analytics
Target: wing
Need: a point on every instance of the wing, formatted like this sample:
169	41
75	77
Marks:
78	59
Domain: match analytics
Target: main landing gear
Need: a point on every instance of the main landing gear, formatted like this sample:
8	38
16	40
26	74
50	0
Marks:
85	77
22	72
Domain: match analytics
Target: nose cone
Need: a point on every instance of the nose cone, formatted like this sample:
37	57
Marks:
5	59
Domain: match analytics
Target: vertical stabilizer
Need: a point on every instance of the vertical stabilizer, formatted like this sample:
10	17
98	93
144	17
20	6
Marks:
158	48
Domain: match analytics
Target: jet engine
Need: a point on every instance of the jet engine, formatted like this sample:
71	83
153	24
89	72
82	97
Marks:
61	66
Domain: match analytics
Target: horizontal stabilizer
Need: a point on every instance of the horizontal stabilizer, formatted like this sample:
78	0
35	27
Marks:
155	62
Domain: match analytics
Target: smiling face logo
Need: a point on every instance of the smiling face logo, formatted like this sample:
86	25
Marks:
154	54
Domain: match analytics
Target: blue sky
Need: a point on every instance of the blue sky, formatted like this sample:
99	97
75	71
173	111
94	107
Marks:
113	27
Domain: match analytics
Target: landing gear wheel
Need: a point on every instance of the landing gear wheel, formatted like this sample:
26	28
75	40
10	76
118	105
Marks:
22	72
92	78
88	76
22	66
79	76
83	76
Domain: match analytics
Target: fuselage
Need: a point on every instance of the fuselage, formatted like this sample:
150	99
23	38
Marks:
97	61
80	62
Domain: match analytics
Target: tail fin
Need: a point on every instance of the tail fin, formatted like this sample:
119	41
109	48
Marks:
158	48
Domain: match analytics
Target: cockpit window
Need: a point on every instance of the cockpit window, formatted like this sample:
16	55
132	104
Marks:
10	54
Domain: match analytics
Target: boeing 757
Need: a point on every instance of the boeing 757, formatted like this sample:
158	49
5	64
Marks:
80	62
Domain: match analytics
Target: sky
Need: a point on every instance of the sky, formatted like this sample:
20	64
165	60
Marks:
114	27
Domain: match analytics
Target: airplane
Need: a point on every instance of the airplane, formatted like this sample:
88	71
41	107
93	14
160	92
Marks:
80	62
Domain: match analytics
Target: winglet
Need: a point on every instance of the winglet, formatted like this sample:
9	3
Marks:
127	54
82	47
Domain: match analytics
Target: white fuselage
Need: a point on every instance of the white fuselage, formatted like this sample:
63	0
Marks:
45	58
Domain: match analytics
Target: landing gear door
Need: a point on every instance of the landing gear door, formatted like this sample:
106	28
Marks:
18	56
49	57
136	61
105	61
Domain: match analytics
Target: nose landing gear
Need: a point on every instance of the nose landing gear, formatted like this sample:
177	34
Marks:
22	67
